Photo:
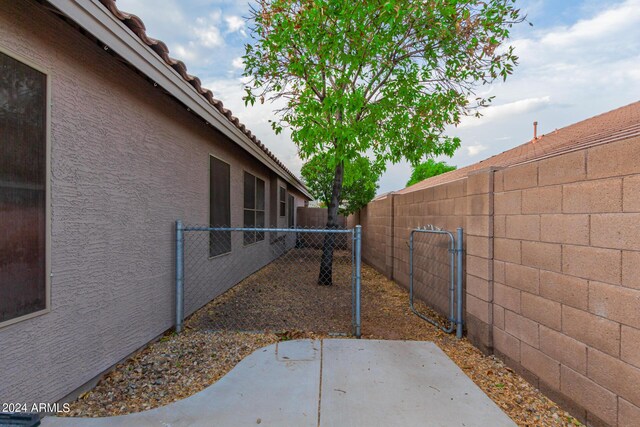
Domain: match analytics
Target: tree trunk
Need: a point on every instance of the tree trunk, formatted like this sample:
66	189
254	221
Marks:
325	277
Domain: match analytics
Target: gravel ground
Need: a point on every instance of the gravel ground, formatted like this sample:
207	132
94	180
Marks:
178	366
273	299
386	315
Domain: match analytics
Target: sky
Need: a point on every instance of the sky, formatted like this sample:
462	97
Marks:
579	59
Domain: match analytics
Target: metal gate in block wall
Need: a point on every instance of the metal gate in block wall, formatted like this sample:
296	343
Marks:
435	275
267	279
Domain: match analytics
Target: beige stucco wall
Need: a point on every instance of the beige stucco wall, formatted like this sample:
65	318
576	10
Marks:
127	161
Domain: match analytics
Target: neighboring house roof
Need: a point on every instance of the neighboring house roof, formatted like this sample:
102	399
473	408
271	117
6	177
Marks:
86	14
618	124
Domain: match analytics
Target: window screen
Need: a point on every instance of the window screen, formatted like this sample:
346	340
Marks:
253	208
291	219
283	201
23	166
219	206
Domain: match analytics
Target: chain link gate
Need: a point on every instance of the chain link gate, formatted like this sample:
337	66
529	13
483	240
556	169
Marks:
266	279
440	269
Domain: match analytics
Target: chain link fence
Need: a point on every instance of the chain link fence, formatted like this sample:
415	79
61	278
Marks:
269	279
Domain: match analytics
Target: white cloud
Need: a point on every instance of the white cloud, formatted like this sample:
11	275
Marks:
474	150
497	112
235	24
237	63
604	25
182	53
209	37
207	30
256	118
581	49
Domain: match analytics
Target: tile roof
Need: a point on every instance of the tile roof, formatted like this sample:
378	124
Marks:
618	124
136	25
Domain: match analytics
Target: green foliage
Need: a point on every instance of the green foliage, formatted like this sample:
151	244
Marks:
428	169
378	77
359	185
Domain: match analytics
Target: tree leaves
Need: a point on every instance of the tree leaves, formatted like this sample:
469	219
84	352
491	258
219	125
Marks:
383	78
360	181
427	170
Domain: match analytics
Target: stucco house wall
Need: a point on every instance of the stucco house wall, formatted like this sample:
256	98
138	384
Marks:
126	161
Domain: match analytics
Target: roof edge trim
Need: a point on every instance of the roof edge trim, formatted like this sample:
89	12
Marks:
106	27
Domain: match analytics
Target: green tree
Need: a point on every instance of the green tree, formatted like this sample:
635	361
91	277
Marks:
428	169
381	77
359	185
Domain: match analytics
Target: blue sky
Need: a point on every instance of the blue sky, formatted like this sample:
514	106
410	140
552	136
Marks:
579	59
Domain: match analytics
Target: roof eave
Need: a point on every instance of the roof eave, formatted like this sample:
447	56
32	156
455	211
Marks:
94	18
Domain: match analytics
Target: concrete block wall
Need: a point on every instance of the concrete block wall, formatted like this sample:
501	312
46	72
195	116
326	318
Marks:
566	289
478	255
444	206
466	203
552	270
317	218
377	234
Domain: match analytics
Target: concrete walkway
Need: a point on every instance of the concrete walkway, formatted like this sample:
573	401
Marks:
333	382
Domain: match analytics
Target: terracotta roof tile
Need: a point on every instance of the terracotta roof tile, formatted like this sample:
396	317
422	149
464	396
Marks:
136	25
621	123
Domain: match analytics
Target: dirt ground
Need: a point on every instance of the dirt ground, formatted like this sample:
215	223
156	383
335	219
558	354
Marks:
177	366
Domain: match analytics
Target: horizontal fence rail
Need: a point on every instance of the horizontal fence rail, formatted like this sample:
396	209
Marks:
268	279
276	230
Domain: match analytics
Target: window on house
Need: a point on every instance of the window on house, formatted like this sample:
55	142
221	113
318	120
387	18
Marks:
291	212
23	179
283	201
219	206
253	207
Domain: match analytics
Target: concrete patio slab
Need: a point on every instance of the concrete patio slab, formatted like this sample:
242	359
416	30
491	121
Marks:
334	382
399	383
274	386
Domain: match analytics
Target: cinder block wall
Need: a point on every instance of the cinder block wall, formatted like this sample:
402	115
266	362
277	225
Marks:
377	234
443	206
387	224
479	272
552	270
567	278
317	218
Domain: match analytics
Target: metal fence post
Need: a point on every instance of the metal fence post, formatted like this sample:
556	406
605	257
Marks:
358	238
411	269
459	259
179	276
